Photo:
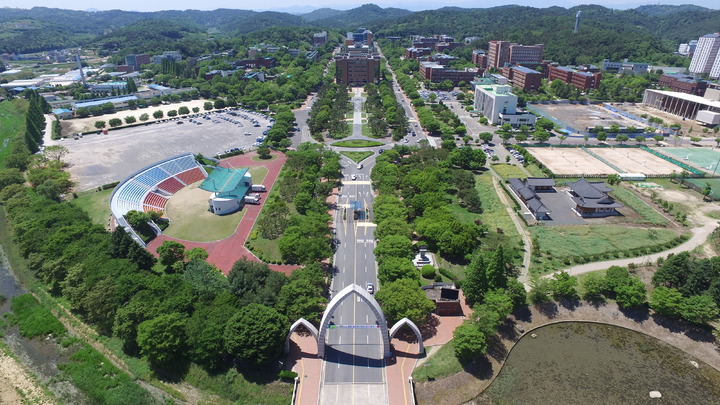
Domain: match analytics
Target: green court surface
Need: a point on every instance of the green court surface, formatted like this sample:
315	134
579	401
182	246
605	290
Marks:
714	183
704	158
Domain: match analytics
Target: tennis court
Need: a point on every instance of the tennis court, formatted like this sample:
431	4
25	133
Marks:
702	158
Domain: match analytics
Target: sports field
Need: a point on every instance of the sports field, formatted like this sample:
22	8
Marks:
714	183
634	160
570	161
702	158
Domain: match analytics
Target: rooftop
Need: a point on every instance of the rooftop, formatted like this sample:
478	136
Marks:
688	97
526	70
223	179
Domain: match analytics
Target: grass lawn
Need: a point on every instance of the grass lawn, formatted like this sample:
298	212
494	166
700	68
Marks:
507	171
267	249
357	157
244	387
563	246
714	214
12	122
357	143
441	364
535	171
97	205
494	213
258	174
650	216
191	220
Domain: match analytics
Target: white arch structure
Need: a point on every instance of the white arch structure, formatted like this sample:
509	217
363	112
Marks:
304	322
405	321
335	302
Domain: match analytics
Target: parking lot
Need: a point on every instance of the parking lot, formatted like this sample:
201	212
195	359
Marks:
95	160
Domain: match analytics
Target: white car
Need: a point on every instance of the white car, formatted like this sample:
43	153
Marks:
353	177
370	288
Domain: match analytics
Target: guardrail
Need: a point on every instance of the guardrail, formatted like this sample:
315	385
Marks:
412	390
295	387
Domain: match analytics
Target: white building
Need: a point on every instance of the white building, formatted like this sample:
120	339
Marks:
169	55
499	105
635	68
688	49
705	59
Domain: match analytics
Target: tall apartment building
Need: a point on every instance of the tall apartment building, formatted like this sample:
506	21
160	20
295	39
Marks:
502	53
499	105
688	49
705	59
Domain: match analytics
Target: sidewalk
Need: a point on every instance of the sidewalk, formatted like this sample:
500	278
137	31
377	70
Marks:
304	361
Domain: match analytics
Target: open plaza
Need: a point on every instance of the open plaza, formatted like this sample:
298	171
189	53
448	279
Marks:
577	118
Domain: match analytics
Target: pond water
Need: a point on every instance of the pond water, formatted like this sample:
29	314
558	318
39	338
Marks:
586	363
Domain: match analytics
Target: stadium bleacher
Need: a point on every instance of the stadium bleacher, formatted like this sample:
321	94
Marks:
170	175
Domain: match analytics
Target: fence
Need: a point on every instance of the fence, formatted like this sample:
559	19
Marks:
694	172
600	158
295	388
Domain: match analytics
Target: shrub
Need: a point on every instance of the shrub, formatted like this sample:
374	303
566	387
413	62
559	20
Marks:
34	319
287	374
428	271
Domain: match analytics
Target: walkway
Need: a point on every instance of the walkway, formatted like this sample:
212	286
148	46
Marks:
693	340
225	252
527	240
698	238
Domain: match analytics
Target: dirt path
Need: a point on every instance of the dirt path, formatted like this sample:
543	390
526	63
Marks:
527	240
17	386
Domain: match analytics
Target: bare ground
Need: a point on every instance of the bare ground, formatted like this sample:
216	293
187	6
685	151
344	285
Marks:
17	386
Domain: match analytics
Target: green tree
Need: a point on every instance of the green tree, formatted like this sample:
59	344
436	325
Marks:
207	106
183	110
130	119
158	114
302	296
144	117
263	152
545	124
706	191
172	113
632	294
563	286
540	291
115	122
468	342
699	309
394	245
667	301
594	286
486	137
393	268
403	298
99	124
601	136
162	339
256	334
170	253
620	138
541	135
50	189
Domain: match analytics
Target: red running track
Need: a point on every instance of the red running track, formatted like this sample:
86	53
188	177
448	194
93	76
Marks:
225	252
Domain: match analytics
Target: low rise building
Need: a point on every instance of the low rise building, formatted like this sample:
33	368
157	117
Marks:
437	73
582	79
592	199
479	58
118	102
446	298
635	68
499	105
522	77
683	84
319	38
415	53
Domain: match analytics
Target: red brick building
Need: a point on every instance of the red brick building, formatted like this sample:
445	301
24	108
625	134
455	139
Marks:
502	53
480	58
522	77
684	84
357	70
583	80
414	53
437	73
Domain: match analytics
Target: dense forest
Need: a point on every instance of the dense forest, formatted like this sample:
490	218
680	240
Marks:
648	33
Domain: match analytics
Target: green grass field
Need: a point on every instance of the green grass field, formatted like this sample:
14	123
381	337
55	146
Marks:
441	364
267	249
258	174
563	246
507	171
494	213
12	124
535	171
650	216
191	220
97	205
357	143
357	157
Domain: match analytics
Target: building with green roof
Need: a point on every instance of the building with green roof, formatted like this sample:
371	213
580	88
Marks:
228	187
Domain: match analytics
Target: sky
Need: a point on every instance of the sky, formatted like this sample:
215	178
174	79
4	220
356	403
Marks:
307	5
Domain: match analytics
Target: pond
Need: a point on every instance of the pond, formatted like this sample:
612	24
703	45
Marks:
586	363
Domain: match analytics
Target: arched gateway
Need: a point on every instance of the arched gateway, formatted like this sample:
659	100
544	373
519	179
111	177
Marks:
374	306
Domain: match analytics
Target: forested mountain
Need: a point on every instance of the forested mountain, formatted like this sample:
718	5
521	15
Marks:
361	16
648	33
